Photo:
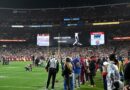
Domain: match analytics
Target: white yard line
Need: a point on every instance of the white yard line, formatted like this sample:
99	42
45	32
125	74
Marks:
3	76
15	86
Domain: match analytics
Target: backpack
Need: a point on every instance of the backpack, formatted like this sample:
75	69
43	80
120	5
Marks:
113	75
78	64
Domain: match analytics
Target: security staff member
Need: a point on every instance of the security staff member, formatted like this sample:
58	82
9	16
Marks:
52	68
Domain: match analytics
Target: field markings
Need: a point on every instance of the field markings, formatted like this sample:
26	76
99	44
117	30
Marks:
7	86
10	67
57	86
3	76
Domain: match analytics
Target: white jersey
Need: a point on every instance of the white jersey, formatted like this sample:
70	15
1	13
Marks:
113	75
53	63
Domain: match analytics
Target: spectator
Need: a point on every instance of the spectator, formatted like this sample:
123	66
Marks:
52	68
77	71
104	74
67	74
127	77
92	69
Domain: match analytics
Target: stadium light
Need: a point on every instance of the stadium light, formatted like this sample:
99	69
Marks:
12	40
17	26
39	26
121	38
105	23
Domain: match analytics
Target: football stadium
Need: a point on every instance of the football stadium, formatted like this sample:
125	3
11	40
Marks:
64	45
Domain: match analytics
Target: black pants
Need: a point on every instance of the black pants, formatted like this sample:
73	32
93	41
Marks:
91	79
51	73
105	82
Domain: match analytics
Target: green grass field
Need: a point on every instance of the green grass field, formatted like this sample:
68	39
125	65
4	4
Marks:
14	77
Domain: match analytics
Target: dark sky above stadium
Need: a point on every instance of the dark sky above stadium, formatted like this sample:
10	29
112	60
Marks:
55	3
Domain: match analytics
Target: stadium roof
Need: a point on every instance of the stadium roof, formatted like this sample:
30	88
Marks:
55	3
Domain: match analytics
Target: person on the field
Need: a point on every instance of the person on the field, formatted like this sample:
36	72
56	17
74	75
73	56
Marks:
4	60
87	71
28	67
104	74
52	68
92	68
77	71
113	75
68	75
33	59
82	76
127	76
121	67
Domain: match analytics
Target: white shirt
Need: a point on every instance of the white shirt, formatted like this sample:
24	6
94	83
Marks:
53	63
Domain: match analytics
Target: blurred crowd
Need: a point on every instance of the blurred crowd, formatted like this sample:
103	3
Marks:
25	52
53	16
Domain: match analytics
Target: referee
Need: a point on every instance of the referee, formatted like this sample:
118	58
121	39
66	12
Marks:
52	68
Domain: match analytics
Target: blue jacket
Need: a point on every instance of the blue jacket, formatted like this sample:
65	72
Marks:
77	69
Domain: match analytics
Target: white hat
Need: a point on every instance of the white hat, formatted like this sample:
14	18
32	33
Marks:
105	63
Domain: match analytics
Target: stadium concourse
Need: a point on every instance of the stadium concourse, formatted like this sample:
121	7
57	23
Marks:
82	48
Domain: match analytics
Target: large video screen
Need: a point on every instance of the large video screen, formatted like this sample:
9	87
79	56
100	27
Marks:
97	38
71	39
43	39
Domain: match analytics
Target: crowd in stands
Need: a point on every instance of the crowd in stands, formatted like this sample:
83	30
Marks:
24	52
56	16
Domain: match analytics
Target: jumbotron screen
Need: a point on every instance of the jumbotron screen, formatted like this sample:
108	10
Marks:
43	39
71	39
97	38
